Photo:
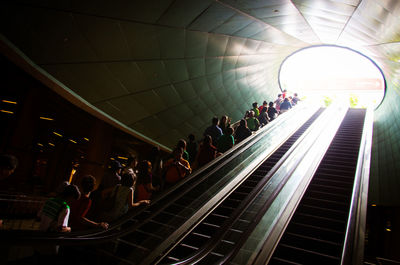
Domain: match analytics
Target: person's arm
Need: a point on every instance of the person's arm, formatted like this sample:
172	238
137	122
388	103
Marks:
186	167
89	223
132	204
62	224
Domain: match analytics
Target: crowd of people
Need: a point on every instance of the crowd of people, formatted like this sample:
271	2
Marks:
80	206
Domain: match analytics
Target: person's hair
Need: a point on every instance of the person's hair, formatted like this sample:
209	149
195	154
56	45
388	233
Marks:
271	104
144	170
154	153
87	183
115	165
131	158
286	99
144	167
207	139
71	191
229	131
8	161
243	122
127	179
279	95
223	119
265	102
295	94
214	120
177	150
181	143
255	104
191	137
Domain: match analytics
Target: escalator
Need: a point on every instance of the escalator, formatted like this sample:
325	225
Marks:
216	236
316	232
151	229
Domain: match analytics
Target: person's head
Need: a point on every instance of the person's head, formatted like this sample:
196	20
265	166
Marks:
265	103
87	183
128	179
132	161
251	114
116	166
286	99
271	104
154	153
70	193
229	131
279	95
191	137
181	143
223	119
144	167
243	122
177	153
295	94
207	140
255	105
214	120
60	188
8	164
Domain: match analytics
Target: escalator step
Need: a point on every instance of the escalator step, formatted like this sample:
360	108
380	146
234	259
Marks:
316	232
303	256
327	195
322	212
332	182
330	189
279	261
196	240
318	221
334	205
313	244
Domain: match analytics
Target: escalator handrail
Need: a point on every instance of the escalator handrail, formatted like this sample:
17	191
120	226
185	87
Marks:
353	249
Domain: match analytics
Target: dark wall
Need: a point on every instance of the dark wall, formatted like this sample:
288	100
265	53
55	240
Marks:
51	136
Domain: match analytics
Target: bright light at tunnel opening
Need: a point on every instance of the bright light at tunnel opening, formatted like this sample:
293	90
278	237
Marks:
325	74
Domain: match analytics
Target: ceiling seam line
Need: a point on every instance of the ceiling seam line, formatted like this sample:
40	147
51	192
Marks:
193	20
301	14
256	19
166	10
348	21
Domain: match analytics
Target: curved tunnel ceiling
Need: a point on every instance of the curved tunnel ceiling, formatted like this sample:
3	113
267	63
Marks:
163	68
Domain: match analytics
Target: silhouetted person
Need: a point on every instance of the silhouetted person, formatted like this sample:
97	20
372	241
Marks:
191	148
242	131
214	131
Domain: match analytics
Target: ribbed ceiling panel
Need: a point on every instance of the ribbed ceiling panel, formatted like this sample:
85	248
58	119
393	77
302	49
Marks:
165	67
